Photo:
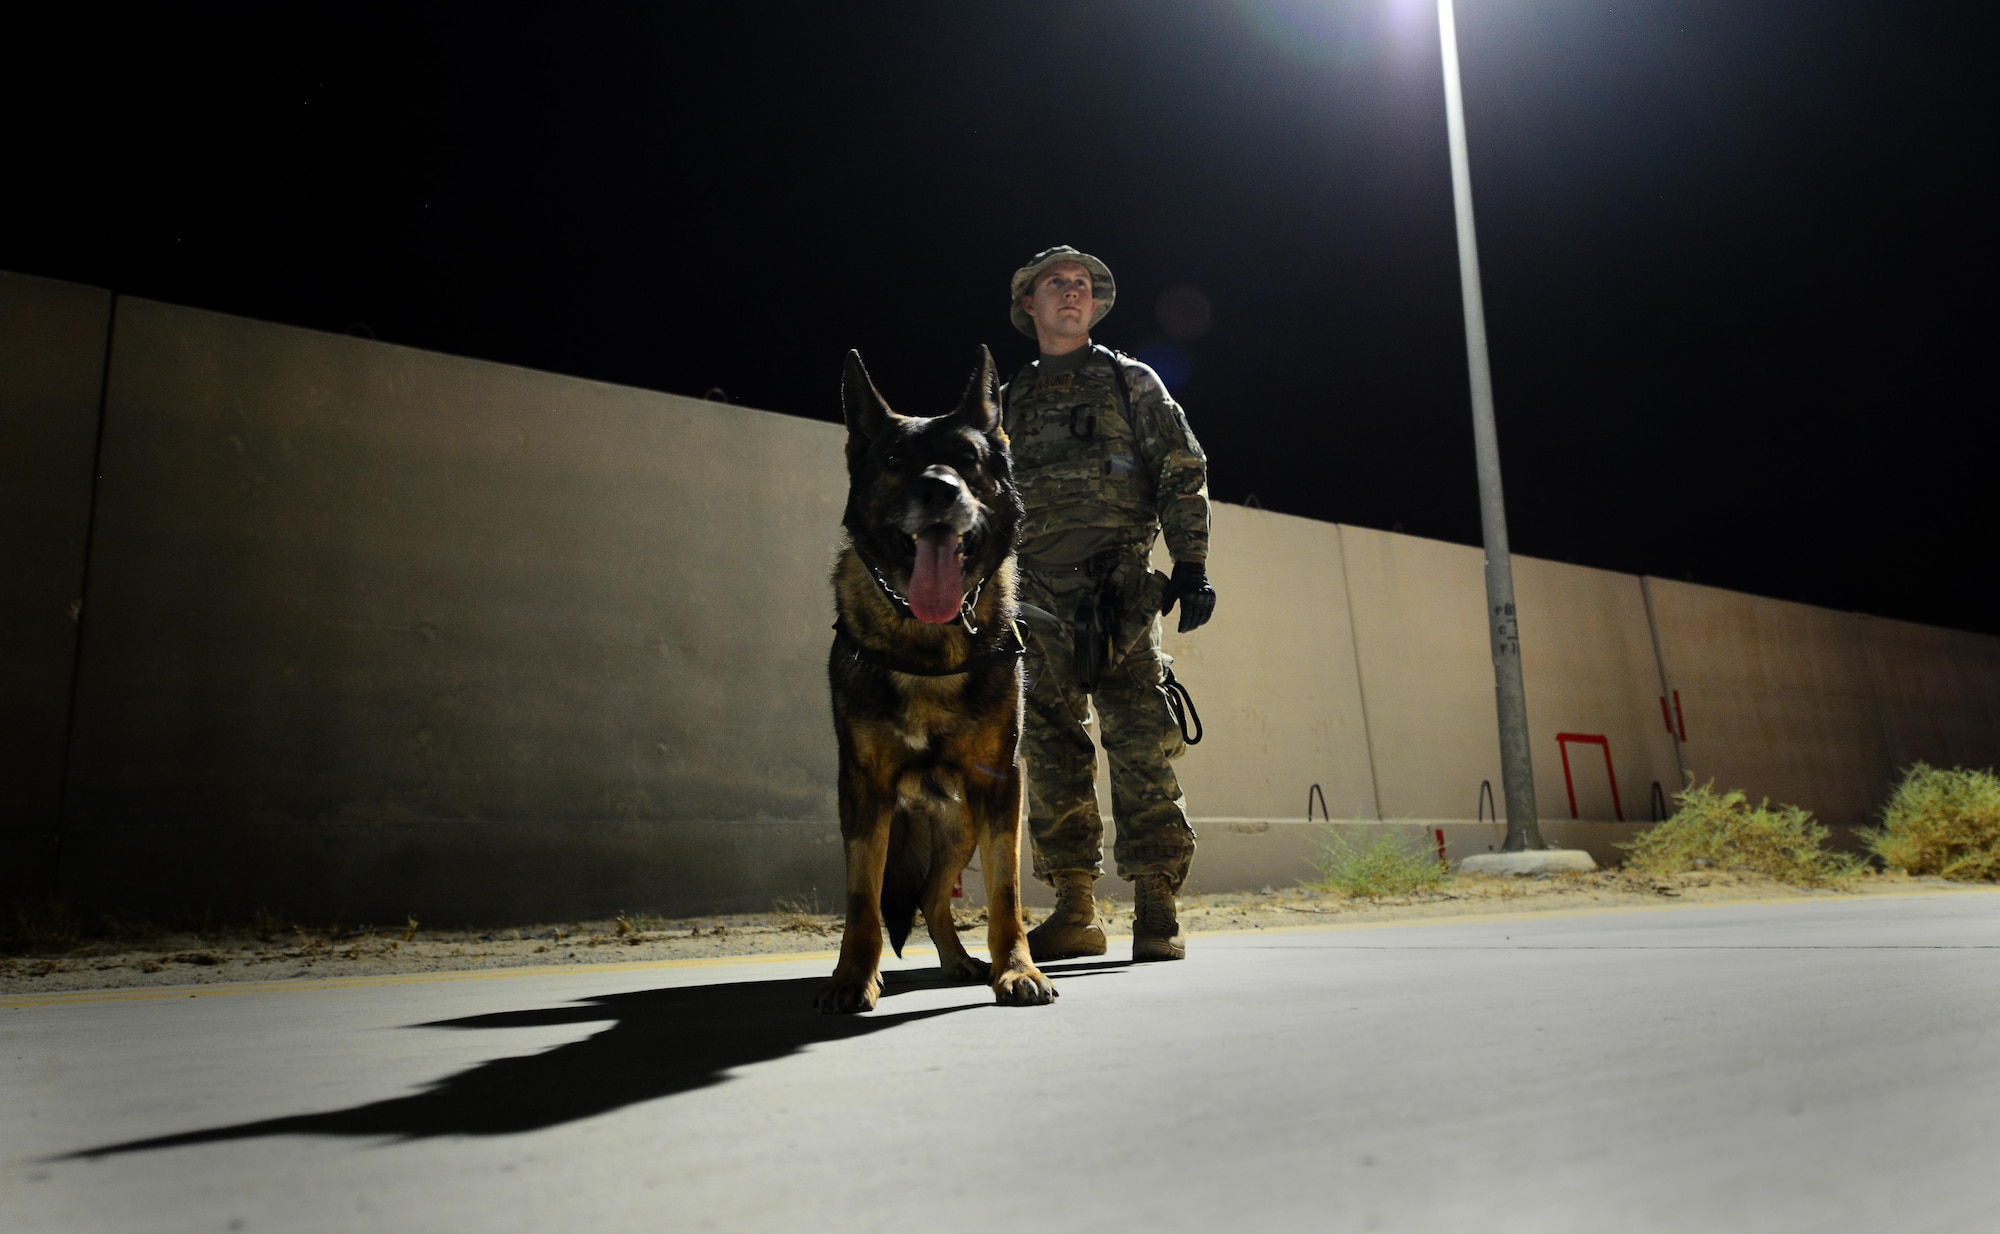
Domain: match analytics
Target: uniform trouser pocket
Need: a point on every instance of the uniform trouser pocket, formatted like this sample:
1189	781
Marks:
1136	605
1140	740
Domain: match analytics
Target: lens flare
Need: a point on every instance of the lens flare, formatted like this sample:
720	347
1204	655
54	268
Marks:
1174	366
1340	32
1184	313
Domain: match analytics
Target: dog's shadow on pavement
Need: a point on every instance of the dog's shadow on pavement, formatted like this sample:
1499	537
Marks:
661	1042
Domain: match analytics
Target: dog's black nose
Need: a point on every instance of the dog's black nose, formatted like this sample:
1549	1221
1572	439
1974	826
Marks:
939	487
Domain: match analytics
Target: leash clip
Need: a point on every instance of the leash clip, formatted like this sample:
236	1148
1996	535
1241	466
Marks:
965	610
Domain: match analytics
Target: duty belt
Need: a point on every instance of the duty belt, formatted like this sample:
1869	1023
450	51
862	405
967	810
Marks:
1097	565
1096	617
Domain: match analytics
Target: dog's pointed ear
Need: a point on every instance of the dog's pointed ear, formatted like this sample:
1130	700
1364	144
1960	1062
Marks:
860	404
980	408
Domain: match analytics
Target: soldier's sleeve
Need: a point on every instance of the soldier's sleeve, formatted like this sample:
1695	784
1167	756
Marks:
1173	458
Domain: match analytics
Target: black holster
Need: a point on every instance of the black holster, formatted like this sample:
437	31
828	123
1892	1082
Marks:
1093	643
1096	618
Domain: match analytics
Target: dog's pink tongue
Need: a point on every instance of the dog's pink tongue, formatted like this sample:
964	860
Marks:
936	589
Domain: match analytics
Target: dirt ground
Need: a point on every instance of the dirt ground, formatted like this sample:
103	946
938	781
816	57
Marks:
137	957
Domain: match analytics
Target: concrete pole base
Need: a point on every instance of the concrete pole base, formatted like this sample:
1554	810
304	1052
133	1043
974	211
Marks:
1542	861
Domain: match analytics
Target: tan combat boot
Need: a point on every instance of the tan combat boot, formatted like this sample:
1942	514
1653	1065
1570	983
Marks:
1071	930
1156	930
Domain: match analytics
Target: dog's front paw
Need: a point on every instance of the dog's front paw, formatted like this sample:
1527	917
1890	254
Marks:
1023	987
965	968
843	994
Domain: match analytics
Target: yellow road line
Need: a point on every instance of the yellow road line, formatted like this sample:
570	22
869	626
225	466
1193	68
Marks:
74	997
67	997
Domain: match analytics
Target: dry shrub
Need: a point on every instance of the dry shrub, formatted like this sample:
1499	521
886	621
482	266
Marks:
1383	866
1945	823
1724	831
44	927
803	914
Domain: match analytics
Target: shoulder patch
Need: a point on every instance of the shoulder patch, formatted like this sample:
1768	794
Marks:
1141	377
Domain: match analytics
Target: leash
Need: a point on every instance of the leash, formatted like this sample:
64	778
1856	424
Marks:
856	650
1181	705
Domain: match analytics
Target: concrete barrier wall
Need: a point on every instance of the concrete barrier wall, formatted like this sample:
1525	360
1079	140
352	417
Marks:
1937	691
52	347
1593	684
380	631
1775	698
1275	680
1427	676
1426	672
376	631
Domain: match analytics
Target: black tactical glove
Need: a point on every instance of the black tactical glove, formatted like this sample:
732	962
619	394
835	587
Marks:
1189	585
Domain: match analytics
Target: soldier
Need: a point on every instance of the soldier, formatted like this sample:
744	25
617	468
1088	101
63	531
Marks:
1105	462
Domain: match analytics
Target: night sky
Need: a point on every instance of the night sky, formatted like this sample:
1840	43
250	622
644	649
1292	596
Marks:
1738	257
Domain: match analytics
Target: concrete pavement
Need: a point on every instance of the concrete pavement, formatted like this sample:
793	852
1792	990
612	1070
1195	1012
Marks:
1815	1066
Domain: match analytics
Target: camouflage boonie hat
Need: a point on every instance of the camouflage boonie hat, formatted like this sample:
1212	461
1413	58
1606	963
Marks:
1101	283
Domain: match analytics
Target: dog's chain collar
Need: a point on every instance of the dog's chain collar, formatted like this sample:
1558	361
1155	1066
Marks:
903	605
855	650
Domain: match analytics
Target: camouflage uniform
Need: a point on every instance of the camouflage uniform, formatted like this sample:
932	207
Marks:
1099	487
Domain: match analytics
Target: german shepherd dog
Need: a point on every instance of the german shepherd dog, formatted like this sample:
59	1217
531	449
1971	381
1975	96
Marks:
926	675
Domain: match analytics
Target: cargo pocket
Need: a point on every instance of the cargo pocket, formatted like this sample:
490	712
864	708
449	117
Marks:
1139	611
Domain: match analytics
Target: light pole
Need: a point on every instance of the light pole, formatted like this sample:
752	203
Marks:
1517	772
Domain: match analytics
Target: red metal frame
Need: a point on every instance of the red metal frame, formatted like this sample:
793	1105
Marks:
1595	739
